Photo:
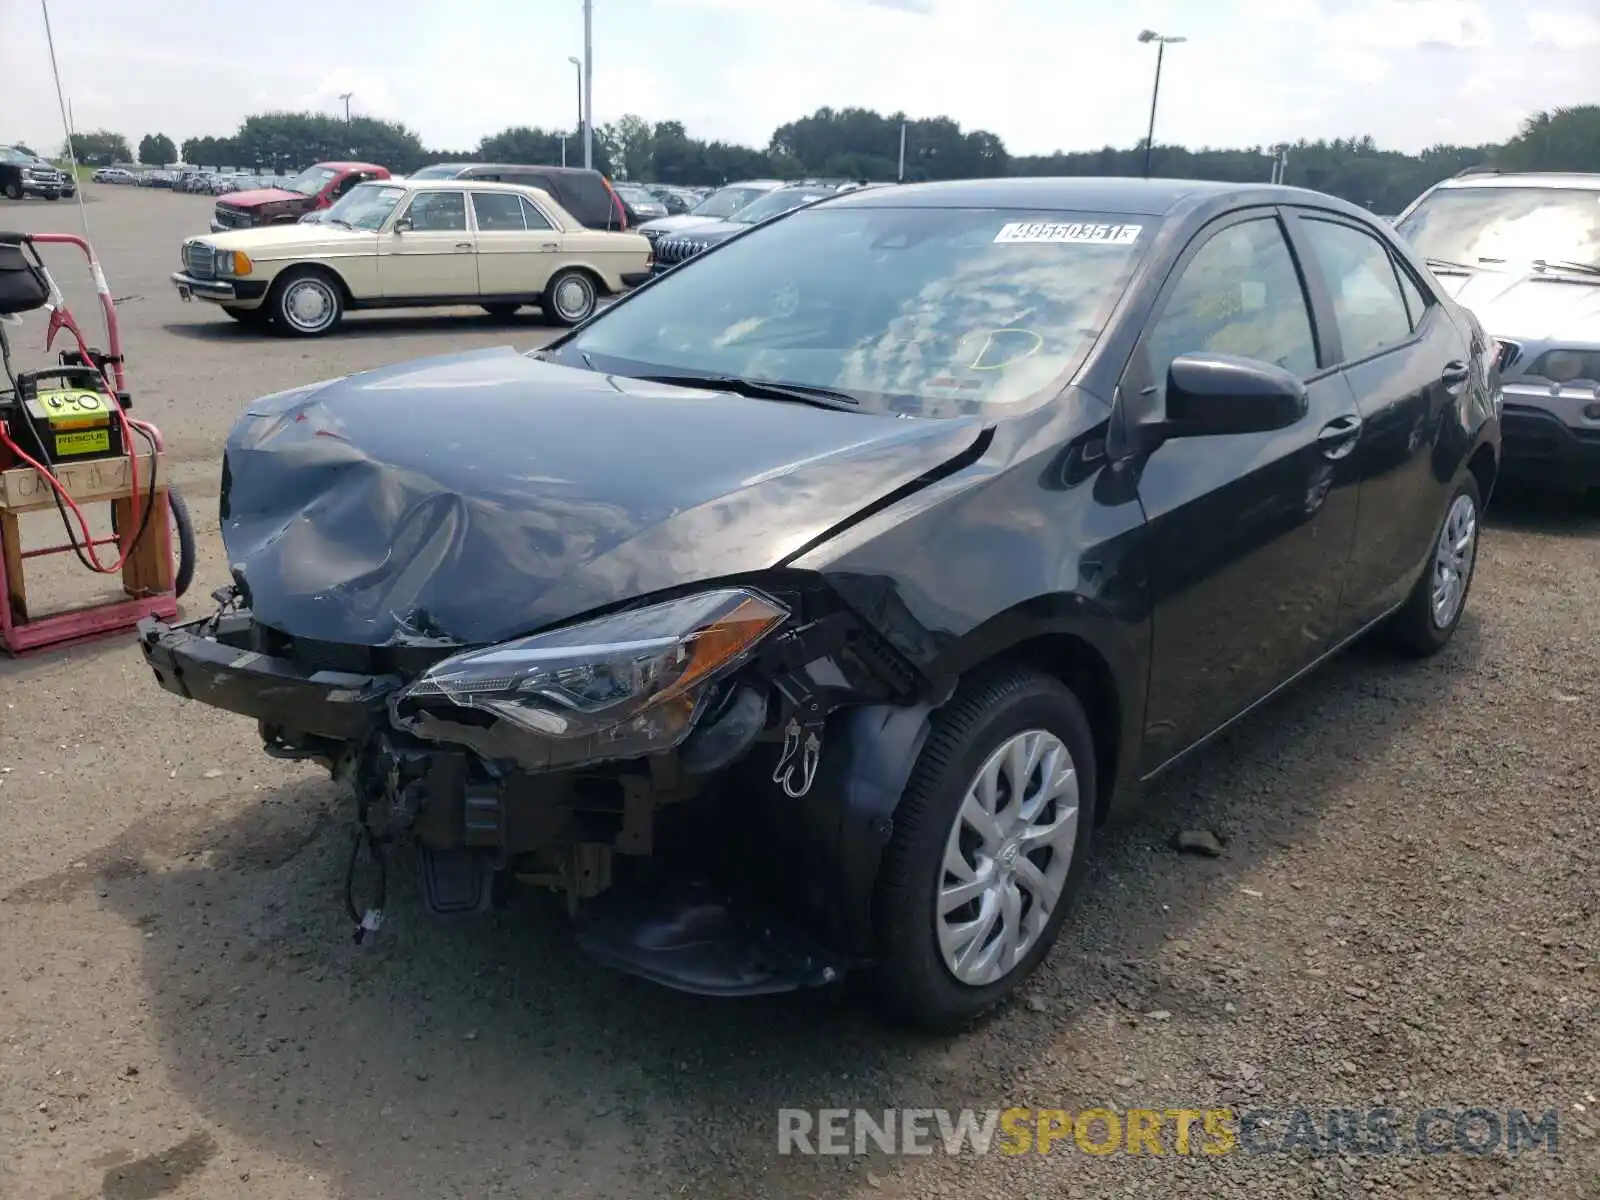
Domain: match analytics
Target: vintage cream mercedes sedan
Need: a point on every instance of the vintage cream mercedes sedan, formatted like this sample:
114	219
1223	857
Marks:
413	244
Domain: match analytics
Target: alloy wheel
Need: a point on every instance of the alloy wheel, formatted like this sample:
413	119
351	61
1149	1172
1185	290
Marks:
1453	559
1007	857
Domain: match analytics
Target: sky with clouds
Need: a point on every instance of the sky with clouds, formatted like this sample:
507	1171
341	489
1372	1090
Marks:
1043	74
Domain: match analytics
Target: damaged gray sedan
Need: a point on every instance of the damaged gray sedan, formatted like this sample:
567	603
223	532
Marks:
806	611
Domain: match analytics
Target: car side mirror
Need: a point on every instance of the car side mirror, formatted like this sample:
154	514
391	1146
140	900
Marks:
402	225
1215	394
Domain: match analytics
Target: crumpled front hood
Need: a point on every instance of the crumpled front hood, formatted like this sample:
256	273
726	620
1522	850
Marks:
260	196
481	496
1543	307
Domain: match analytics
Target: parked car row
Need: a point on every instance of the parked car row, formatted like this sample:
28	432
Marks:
685	241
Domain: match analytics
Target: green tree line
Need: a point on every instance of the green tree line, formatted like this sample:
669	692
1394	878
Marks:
860	143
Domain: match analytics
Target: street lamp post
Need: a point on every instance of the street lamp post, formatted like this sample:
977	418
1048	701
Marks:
588	84
582	124
1162	42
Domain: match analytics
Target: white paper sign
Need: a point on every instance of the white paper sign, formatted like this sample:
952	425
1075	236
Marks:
1074	232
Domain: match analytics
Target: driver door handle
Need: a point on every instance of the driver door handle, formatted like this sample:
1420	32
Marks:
463	245
1338	436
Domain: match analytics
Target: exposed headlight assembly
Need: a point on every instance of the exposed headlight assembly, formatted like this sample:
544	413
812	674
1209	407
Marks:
623	686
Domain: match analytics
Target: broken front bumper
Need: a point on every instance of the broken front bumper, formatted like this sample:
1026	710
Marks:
682	937
207	660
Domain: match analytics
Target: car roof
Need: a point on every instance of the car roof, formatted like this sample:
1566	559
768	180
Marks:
1137	197
341	165
483	166
1580	180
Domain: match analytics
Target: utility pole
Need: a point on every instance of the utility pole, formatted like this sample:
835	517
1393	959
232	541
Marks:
1147	36
577	66
902	176
563	149
588	84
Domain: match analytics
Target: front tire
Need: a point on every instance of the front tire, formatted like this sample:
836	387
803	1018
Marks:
1433	611
306	302
989	843
570	297
13	191
256	318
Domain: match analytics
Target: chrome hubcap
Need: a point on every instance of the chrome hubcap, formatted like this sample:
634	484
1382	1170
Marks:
572	297
1452	560
1006	858
309	304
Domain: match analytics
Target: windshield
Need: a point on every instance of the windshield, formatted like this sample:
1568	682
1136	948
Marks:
310	181
922	311
775	203
726	202
437	171
1492	227
365	206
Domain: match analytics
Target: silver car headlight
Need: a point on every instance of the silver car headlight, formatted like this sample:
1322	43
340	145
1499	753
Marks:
621	686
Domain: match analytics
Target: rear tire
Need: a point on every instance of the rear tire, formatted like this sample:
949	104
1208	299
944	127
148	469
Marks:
570	297
1016	743
306	302
1433	611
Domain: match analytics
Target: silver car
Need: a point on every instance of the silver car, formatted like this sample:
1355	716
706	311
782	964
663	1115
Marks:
1522	251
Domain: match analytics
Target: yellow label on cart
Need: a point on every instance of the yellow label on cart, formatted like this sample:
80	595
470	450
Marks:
90	441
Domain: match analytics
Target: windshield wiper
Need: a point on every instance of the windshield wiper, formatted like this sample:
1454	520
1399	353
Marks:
761	389
1446	264
1559	264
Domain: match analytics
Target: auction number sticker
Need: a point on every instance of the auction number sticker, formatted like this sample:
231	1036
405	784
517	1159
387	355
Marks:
1076	232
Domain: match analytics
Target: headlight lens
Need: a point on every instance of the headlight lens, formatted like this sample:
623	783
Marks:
622	686
233	262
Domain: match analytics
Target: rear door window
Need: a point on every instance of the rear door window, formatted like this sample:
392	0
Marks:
1367	301
498	212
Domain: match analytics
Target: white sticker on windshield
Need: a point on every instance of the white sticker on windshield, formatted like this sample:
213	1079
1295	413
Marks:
1015	232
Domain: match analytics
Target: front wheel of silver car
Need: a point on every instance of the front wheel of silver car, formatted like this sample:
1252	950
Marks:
306	302
570	297
989	842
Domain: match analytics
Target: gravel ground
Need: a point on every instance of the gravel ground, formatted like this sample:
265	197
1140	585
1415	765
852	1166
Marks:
1403	914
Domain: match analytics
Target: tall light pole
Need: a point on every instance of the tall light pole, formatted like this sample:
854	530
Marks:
902	175
582	124
588	84
345	96
1150	35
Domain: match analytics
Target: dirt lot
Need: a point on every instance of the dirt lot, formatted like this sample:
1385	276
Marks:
1405	914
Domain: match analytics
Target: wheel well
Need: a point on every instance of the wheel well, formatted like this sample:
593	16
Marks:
600	288
1482	466
1079	665
316	269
